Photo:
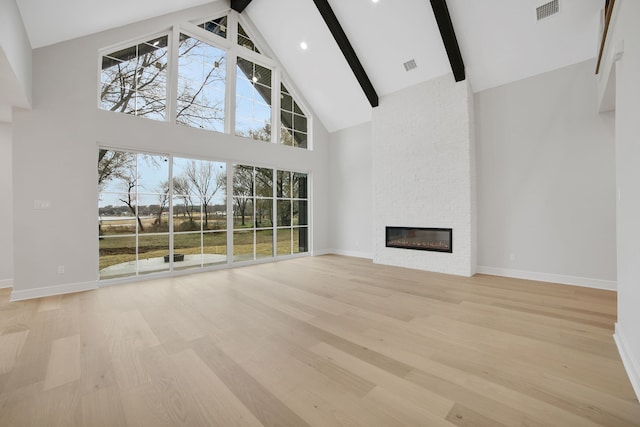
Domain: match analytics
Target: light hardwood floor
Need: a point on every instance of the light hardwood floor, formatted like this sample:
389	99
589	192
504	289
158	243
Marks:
317	341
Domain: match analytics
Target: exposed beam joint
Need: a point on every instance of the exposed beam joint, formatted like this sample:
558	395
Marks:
441	12
239	5
347	50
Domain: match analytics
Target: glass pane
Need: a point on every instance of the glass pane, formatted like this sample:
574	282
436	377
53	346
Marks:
117	257
153	253
187	250
153	213
216	26
300	185
284	241
245	41
300	139
243	181
264	243
186	215
242	245
201	84
242	212
217	212
214	248
286	137
299	123
264	213
284	213
253	101
153	174
115	217
284	184
300	240
300	212
264	182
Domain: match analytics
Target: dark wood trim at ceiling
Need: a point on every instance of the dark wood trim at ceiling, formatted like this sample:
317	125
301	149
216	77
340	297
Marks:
608	10
441	12
239	5
347	50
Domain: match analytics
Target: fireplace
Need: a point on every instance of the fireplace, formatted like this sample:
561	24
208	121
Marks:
422	239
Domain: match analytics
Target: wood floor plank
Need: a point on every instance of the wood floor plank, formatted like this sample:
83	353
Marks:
318	341
64	362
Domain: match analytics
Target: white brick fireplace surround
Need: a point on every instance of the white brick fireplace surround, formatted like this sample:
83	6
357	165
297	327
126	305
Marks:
424	172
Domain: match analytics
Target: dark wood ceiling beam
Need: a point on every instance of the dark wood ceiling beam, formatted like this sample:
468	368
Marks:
347	50
239	5
441	12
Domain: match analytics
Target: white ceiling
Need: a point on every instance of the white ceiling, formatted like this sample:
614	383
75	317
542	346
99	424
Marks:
500	41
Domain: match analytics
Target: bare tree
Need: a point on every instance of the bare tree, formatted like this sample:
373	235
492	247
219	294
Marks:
134	81
130	183
114	165
205	180
243	181
182	189
163	201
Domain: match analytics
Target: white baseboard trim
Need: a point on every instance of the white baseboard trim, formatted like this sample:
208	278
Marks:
547	277
48	291
630	364
6	283
355	254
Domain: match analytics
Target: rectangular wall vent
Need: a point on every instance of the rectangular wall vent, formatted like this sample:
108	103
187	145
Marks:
410	65
547	9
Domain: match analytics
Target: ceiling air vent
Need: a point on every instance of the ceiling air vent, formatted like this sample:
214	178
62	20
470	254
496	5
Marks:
547	9
410	65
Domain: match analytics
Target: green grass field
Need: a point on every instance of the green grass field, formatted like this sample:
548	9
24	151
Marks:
117	249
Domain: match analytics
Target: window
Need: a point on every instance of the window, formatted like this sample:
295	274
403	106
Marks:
199	213
252	213
162	213
292	213
134	80
216	26
201	84
293	122
133	211
245	41
253	100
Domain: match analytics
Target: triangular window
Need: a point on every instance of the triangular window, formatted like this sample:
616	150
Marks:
245	41
216	26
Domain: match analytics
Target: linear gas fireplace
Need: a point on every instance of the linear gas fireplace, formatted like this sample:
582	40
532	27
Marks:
423	239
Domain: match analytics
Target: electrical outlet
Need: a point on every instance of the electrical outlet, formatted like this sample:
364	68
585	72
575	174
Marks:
61	269
512	257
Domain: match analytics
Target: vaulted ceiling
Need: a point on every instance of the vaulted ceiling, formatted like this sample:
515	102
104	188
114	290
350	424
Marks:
500	40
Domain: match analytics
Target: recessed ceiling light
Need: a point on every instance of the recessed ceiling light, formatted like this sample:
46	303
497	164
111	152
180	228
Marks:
375	1
303	45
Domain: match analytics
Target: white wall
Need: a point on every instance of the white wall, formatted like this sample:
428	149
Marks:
423	172
55	155
15	66
351	178
624	34
546	191
6	211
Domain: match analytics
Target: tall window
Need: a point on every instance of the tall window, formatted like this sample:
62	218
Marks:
134	80
201	84
292	213
252	213
253	100
133	208
199	213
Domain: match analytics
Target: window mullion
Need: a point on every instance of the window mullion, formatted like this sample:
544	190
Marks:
172	86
